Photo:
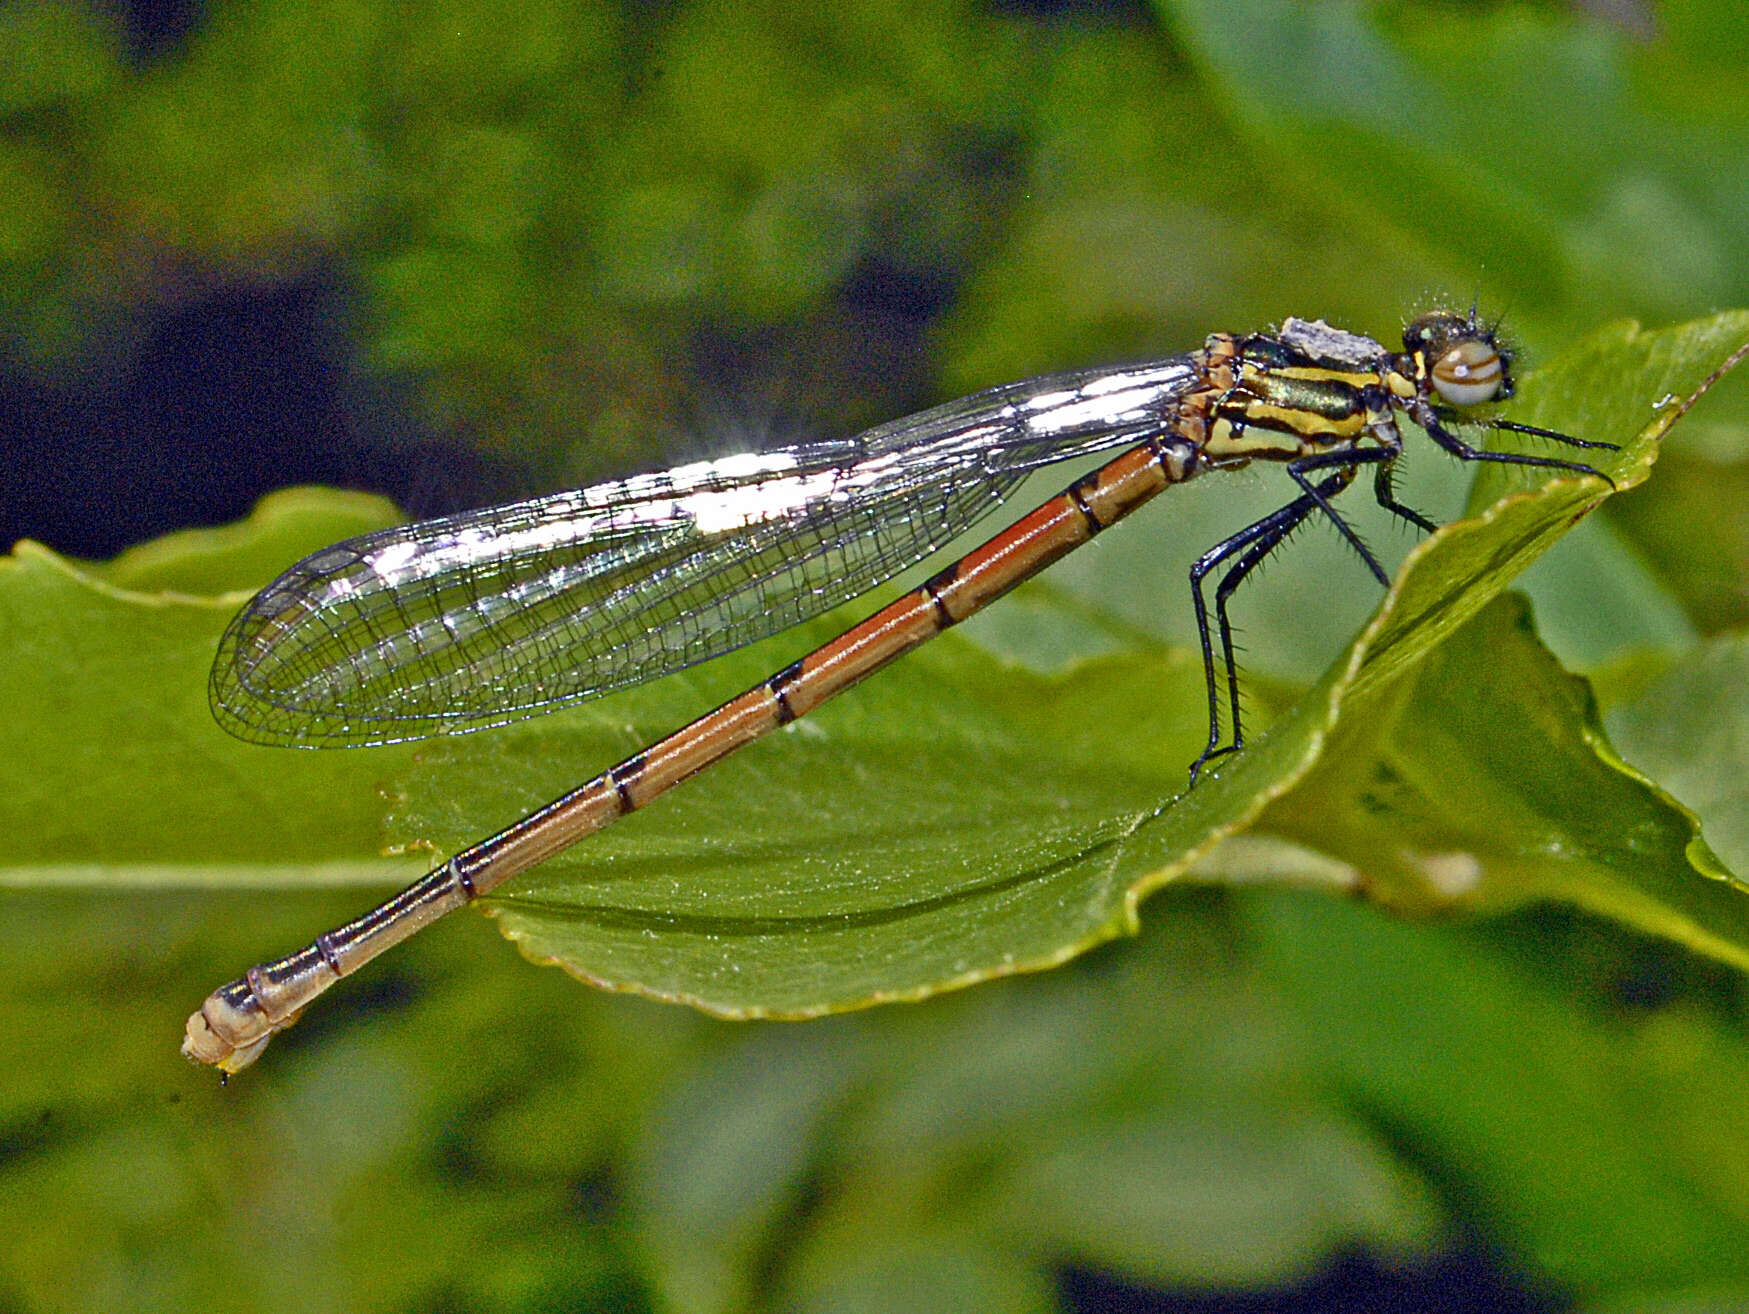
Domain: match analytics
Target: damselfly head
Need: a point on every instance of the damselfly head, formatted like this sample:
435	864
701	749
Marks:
1460	357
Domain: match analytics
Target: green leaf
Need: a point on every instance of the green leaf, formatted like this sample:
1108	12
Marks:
240	558
1690	730
952	821
114	772
1483	782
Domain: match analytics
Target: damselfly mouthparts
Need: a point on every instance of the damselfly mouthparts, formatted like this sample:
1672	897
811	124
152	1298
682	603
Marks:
484	618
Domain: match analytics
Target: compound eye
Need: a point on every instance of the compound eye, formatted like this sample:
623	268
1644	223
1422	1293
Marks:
1469	373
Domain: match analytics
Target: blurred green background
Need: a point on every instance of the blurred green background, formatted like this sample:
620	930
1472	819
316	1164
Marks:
456	252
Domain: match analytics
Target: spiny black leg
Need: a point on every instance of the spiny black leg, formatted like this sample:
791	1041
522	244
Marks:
1258	550
1289	515
1223	593
1230	582
1513	426
1255	541
1347	459
1429	419
1203	564
1385	496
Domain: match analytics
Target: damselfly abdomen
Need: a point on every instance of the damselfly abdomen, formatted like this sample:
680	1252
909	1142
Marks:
483	618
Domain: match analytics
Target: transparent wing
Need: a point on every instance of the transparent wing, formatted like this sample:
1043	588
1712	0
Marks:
490	616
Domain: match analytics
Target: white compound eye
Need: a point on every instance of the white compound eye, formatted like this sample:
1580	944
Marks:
1469	373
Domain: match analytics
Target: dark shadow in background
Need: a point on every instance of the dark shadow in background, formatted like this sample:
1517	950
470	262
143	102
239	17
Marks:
222	400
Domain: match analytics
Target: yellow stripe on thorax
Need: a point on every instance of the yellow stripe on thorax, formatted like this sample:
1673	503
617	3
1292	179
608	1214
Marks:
1285	411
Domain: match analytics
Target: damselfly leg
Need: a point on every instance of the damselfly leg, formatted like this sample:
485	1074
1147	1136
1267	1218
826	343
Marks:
1254	542
1434	422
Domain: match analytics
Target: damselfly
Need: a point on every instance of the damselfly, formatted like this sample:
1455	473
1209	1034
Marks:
483	618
